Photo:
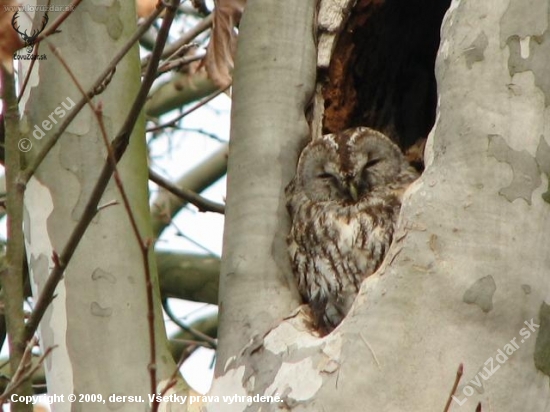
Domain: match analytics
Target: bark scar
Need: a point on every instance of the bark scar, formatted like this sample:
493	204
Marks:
526	168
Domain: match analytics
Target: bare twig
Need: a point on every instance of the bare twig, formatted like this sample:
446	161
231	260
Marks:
57	22
123	138
194	242
173	378
165	205
197	333
174	48
174	122
205	133
16	382
459	373
177	63
203	204
25	363
192	342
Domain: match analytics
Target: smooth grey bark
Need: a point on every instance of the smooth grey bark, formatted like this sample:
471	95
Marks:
273	81
467	275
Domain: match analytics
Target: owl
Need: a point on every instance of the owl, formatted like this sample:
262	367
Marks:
344	203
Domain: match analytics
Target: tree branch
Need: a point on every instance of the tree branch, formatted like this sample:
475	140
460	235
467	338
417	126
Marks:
12	276
166	205
203	204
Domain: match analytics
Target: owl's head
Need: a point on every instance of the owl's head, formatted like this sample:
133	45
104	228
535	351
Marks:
349	165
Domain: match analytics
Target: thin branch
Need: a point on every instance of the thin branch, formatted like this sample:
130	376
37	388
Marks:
14	384
25	362
165	205
192	342
203	132
203	204
459	373
57	22
189	239
177	63
174	48
173	378
12	276
197	333
174	122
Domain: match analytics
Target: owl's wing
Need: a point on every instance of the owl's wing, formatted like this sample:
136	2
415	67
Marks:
293	198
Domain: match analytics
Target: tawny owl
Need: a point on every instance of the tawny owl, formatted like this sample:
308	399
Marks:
344	202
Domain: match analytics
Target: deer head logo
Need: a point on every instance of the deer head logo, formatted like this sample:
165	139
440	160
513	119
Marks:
29	39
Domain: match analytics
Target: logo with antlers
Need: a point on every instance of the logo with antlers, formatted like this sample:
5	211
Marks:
29	39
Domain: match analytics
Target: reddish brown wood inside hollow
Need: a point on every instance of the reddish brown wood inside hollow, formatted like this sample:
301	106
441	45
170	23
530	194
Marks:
382	70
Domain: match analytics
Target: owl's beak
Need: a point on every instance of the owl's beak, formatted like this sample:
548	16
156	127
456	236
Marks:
352	189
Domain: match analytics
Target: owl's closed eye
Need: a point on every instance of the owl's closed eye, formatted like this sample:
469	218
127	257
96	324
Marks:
344	206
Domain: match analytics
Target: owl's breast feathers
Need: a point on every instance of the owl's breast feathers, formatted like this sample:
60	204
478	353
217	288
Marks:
333	246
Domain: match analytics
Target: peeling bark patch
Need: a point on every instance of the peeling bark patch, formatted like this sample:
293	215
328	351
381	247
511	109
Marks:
108	15
229	384
301	378
256	379
481	293
520	20
99	311
26	226
534	59
542	345
543	160
87	156
101	274
476	51
524	167
39	264
288	336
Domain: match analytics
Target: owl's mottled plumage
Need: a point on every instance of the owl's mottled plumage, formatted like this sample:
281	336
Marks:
344	202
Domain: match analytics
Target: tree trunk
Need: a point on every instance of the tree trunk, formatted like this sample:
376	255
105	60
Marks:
465	279
272	85
97	323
